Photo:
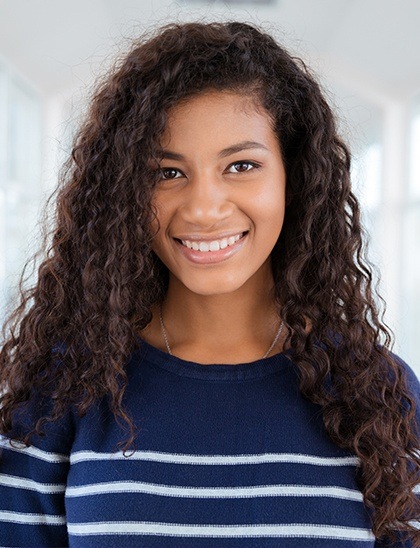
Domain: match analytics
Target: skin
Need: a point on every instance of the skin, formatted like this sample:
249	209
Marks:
219	312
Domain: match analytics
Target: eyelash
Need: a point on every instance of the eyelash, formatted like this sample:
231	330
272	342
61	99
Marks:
247	162
253	165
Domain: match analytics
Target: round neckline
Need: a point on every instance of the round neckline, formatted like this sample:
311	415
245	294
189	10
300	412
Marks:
222	372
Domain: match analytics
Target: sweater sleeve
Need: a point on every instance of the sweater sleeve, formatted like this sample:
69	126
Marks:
33	483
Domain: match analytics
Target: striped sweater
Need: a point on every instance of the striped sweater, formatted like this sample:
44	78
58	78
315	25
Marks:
226	456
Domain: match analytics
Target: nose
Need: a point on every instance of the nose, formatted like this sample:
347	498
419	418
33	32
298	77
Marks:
207	201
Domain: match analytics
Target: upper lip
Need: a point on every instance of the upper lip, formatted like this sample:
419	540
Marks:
209	237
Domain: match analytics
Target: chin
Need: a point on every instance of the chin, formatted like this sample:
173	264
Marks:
216	287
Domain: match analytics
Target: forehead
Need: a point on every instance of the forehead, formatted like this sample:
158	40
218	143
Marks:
217	115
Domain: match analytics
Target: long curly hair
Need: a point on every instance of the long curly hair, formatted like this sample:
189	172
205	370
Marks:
72	332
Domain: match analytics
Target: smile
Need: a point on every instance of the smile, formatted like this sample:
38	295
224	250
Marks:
211	252
215	245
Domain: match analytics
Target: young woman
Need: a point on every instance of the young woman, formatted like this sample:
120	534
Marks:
201	361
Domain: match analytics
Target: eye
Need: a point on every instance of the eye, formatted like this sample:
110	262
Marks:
168	173
242	167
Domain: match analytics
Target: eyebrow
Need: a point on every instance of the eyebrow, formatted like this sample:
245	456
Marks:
243	145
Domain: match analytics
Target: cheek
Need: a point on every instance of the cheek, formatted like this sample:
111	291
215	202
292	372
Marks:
269	208
158	243
158	227
161	218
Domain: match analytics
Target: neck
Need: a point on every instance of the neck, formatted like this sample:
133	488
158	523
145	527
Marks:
227	328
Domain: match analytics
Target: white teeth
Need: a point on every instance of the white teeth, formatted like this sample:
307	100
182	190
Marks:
215	245
203	246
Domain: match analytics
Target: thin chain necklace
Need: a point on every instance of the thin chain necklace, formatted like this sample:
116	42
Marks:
165	336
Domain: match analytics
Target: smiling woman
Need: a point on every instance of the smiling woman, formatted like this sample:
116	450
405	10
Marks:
203	362
216	226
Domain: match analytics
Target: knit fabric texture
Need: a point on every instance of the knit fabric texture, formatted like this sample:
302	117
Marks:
226	456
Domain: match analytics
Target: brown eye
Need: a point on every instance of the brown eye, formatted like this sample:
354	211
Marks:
241	167
170	173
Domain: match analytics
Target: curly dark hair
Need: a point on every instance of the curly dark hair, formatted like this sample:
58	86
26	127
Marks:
99	277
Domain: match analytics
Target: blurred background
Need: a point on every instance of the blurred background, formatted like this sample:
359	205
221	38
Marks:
366	54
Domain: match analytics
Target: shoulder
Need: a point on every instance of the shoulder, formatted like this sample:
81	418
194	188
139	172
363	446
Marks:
34	422
412	384
408	374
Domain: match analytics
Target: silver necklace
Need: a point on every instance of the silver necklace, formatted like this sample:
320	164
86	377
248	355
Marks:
165	336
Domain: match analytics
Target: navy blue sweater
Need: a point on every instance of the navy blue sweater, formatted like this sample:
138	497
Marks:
227	456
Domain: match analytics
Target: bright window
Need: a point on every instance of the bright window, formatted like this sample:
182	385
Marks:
410	282
414	175
20	145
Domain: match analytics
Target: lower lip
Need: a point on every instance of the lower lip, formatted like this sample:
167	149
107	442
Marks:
211	257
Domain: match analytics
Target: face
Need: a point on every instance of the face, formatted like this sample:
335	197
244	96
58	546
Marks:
221	198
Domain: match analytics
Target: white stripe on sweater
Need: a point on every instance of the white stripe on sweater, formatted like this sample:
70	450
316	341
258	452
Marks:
180	458
32	519
32	451
215	492
23	483
233	531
